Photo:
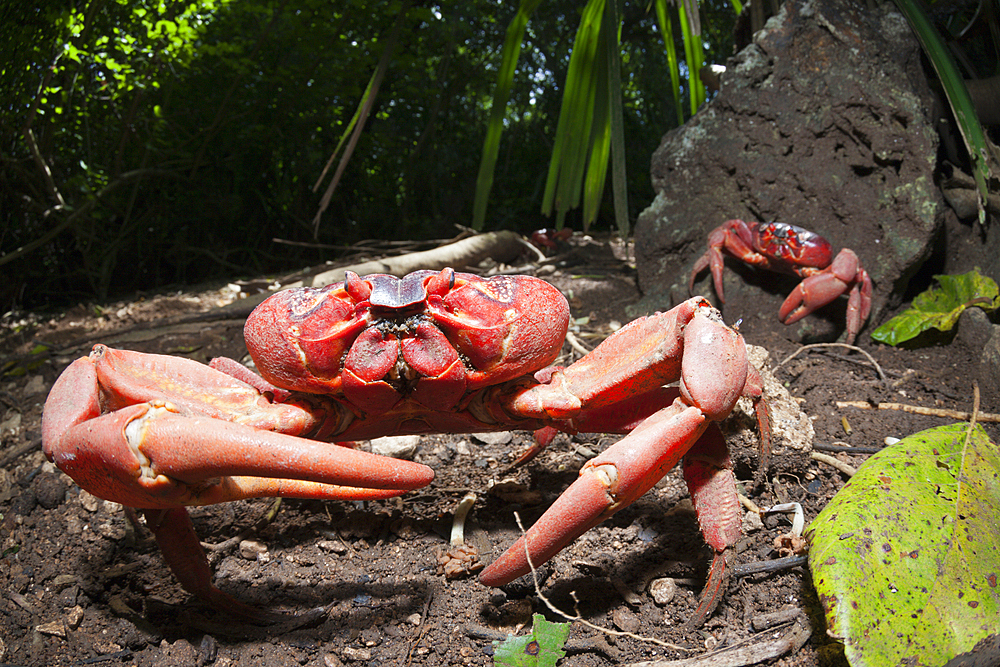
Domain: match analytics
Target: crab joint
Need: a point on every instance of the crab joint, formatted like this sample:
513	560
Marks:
135	433
606	474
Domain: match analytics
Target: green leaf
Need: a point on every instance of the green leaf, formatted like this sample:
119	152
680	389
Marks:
956	93
542	648
501	95
905	558
940	308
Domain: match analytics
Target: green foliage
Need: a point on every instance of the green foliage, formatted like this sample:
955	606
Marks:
154	143
956	93
542	648
940	308
905	557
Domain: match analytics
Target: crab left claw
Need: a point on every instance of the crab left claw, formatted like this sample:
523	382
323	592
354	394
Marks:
104	428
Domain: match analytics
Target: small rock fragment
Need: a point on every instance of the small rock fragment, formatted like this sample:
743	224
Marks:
253	550
396	446
356	654
663	590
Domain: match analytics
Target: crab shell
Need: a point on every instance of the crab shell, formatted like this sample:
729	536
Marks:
430	336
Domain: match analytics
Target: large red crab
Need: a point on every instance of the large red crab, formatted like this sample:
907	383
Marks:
430	352
786	248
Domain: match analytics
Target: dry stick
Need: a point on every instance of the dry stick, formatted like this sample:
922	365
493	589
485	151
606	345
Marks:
225	545
878	369
578	618
423	627
744	653
975	411
848	470
575	344
960	415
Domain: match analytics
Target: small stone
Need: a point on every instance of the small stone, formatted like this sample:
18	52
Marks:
54	629
330	660
625	620
74	617
253	550
334	546
752	523
396	446
413	619
90	502
36	385
498	438
356	654
11	421
663	590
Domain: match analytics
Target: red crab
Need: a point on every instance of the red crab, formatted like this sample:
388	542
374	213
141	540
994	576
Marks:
427	353
789	249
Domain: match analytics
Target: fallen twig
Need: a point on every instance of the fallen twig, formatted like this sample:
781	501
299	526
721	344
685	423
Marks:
745	652
232	542
845	468
845	449
579	619
768	566
959	415
20	450
422	628
871	360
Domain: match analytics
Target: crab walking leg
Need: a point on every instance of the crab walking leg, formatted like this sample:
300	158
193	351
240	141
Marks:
821	288
712	485
607	483
184	555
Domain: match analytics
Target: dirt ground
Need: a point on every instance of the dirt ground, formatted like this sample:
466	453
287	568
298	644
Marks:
82	586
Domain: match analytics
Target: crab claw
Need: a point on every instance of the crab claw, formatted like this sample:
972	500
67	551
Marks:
610	481
845	273
151	455
710	361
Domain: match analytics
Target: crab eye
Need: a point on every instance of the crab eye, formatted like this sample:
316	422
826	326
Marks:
359	290
441	283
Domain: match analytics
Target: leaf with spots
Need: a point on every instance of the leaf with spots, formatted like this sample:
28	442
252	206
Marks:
905	558
542	648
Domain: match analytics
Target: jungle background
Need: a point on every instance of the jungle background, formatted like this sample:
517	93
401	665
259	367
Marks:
147	144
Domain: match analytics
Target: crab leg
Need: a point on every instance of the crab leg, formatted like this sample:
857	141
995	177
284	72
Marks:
607	483
821	288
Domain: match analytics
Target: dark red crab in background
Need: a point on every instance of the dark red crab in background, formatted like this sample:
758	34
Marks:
784	248
432	352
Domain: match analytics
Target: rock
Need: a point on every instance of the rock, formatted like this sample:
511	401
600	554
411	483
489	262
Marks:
663	590
817	124
396	446
253	550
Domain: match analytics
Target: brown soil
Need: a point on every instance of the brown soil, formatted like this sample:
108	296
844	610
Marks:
82	586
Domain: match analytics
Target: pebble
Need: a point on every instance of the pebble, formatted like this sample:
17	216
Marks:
396	446
253	550
663	590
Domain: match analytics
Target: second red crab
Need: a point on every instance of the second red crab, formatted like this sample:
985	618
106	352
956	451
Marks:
785	248
432	352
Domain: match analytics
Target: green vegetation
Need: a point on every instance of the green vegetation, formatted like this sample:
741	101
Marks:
153	143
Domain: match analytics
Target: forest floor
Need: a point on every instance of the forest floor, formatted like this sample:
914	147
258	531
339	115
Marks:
81	585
